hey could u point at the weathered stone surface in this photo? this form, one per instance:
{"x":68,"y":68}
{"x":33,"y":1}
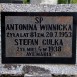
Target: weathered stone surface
{"x":54,"y":69}
{"x":35,"y":70}
{"x":43,"y":1}
{"x":49,"y":1}
{"x":35,"y":1}
{"x":39,"y":8}
{"x":62,"y":49}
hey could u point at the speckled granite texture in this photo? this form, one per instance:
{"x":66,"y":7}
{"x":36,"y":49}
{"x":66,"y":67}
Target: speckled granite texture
{"x":36,"y":69}
{"x":39,"y":8}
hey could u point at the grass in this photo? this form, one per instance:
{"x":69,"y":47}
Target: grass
{"x":67,"y":1}
{"x":59,"y":1}
{"x":74,"y":1}
{"x":26,"y":1}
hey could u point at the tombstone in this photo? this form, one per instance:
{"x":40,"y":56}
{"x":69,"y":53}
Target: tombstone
{"x":64,"y":62}
{"x":49,"y":35}
{"x":35,"y":1}
{"x":49,"y":2}
{"x":43,"y":1}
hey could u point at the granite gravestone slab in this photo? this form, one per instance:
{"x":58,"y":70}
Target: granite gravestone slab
{"x":43,"y":1}
{"x":38,"y":37}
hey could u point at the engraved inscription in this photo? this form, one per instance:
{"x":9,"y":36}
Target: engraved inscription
{"x":38,"y":36}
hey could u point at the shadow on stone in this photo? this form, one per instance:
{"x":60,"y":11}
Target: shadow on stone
{"x":12,"y":76}
{"x":35,"y":70}
{"x":62,"y":75}
{"x":8,"y":66}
